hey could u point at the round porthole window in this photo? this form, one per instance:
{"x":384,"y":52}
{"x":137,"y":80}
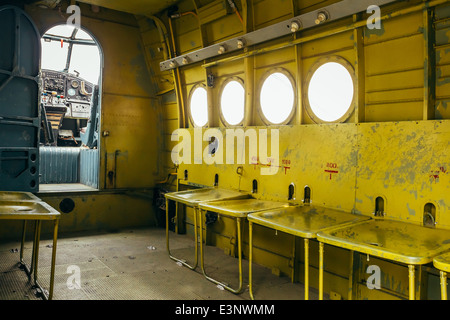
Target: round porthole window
{"x":330,"y":91}
{"x":198,"y":105}
{"x":277,"y":97}
{"x":232,"y":102}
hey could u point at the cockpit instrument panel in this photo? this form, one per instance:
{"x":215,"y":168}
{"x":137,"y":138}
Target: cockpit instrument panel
{"x":64,"y":89}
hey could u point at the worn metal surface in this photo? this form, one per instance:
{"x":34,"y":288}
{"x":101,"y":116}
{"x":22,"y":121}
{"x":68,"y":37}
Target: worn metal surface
{"x":304,"y":221}
{"x":27,"y":210}
{"x":442,"y":262}
{"x":196,"y":196}
{"x":393,"y":240}
{"x":240,"y":208}
{"x":17,"y":196}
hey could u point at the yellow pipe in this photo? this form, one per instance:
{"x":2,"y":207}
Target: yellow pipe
{"x":177,"y":78}
{"x":189,"y":12}
{"x":175,"y":72}
{"x":351,"y":276}
{"x":22,"y":244}
{"x":412,"y":287}
{"x":320,"y":270}
{"x":443,"y":285}
{"x":192,"y":267}
{"x":202,"y":259}
{"x":250,"y":259}
{"x":306,"y":269}
{"x":52,"y":272}
{"x":167,"y":179}
{"x":324,"y":34}
{"x":36,"y":257}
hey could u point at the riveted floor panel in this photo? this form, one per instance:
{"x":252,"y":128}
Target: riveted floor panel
{"x":134,"y":265}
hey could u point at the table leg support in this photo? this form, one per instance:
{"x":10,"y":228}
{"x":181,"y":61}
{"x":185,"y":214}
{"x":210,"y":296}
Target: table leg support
{"x":52,"y":272}
{"x":192,"y":267}
{"x":443,"y":285}
{"x":36,"y":258}
{"x":306,"y":269}
{"x":320,"y":270}
{"x":202,"y":260}
{"x":22,"y":244}
{"x":412,"y":287}
{"x":250,"y":259}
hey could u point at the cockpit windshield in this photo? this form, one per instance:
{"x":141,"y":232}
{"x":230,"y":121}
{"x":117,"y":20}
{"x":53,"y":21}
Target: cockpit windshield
{"x":71,"y":50}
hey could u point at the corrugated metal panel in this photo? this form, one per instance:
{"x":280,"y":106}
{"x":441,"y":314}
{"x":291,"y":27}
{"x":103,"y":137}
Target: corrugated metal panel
{"x":59,"y":165}
{"x":89,"y":167}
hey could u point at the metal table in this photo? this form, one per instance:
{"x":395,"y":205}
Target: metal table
{"x":442,"y":263}
{"x":238,"y":210}
{"x":25,"y":206}
{"x":304,"y":222}
{"x":192,"y":198}
{"x":398,"y":241}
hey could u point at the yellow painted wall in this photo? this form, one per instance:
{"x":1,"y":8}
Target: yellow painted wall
{"x":393,"y":145}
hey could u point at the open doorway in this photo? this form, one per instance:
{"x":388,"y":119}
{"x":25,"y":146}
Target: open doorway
{"x":70,"y":110}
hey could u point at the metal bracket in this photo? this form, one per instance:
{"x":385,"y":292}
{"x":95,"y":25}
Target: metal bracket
{"x":305,"y":21}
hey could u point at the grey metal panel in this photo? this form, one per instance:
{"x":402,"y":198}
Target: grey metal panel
{"x":89,"y":163}
{"x":59,"y":165}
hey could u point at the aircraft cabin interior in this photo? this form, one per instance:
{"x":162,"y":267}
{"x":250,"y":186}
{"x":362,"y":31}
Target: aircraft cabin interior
{"x":224,"y":150}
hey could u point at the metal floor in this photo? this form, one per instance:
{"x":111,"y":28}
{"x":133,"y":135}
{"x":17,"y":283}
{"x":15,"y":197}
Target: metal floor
{"x":134,"y":265}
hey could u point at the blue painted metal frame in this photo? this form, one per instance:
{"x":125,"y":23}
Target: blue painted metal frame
{"x":20,"y":59}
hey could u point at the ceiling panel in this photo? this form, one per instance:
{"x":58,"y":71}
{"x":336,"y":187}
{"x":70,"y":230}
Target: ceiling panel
{"x":138,"y":7}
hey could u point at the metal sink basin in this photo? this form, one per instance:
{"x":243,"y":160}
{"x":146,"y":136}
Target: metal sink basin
{"x":242,"y":207}
{"x":27,"y":210}
{"x":17,"y":196}
{"x":195,"y":196}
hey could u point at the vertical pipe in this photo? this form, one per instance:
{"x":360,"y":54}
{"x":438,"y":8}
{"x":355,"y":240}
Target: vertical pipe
{"x":320,"y":270}
{"x":412,"y":287}
{"x":33,"y":252}
{"x":52,"y":272}
{"x":250,"y":259}
{"x":167,"y":225}
{"x":177,"y":81}
{"x":196,"y":212}
{"x":22,"y":244}
{"x":443,"y":285}
{"x":36,"y":257}
{"x":306,"y":269}
{"x":240,"y":253}
{"x":351,"y":275}
{"x":202,"y":260}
